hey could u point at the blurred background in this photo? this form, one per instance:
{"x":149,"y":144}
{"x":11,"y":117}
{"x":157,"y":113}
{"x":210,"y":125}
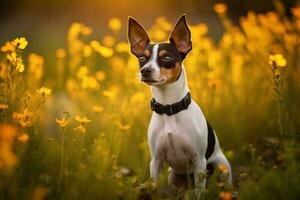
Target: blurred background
{"x":47,"y":21}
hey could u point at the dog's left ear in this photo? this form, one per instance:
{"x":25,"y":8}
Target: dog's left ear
{"x":181,"y":36}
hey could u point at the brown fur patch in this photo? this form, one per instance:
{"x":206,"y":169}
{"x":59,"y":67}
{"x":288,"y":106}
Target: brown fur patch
{"x":162,"y":52}
{"x":171,"y":74}
{"x":147,"y":53}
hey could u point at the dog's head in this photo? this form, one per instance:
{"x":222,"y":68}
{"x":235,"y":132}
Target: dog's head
{"x":160,"y":63}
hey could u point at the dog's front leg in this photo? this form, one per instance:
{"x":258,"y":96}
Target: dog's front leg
{"x":200,"y":176}
{"x":156,"y":165}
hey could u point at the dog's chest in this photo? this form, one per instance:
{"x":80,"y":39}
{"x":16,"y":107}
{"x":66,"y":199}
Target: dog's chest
{"x":175,"y":141}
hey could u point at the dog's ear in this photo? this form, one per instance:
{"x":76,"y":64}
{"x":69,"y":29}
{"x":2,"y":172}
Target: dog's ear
{"x":181,"y":36}
{"x":137,"y":37}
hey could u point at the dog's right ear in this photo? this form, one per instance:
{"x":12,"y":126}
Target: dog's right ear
{"x":137,"y":37}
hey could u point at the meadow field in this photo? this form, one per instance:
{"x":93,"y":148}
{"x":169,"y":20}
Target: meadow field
{"x":73,"y":122}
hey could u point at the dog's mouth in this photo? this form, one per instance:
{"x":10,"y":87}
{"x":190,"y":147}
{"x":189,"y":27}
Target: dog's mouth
{"x":151,"y":81}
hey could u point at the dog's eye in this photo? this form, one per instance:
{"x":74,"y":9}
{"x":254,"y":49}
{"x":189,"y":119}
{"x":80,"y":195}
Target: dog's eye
{"x":167,"y":58}
{"x":142,"y":58}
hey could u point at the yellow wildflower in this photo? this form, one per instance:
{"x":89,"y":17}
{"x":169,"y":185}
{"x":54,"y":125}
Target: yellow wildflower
{"x":44,"y":91}
{"x":85,"y":30}
{"x":220,"y":8}
{"x":12,"y":57}
{"x":102,"y":50}
{"x":8,"y":47}
{"x":278,"y":60}
{"x":62,"y":122}
{"x":3,"y":106}
{"x":82,"y":72}
{"x":223,"y":168}
{"x":89,"y":82}
{"x":82,"y":120}
{"x":100,"y":75}
{"x":80,"y":129}
{"x":24,"y":119}
{"x":108,"y":41}
{"x":20,"y":67}
{"x":114,"y":24}
{"x":20,"y":43}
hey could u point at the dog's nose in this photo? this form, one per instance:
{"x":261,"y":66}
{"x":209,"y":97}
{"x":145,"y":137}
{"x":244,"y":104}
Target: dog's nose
{"x":146,"y":72}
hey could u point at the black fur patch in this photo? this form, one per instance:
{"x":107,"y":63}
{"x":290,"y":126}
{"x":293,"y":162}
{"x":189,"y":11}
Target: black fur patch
{"x":149,"y":48}
{"x":171,"y":51}
{"x":211,"y":141}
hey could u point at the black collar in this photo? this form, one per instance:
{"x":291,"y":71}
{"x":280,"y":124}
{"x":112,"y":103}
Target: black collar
{"x":173,"y":108}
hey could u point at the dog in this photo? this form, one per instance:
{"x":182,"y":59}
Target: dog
{"x":178,"y":132}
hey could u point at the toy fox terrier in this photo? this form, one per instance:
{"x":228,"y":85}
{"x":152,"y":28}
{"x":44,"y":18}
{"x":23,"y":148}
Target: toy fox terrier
{"x":178,"y":133}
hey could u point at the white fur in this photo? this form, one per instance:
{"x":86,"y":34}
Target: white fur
{"x":181,"y":139}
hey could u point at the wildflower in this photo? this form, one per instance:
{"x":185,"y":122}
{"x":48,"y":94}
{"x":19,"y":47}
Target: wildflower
{"x":85,"y":30}
{"x":100,"y":75}
{"x":3,"y":106}
{"x":44,"y":91}
{"x":114,"y":24}
{"x":108,"y":41}
{"x":62,"y":122}
{"x":82,"y":120}
{"x":102,"y":50}
{"x":23,"y":137}
{"x":12,"y":57}
{"x":8,"y":47}
{"x":82,"y":72}
{"x":223,"y":168}
{"x":20,"y":67}
{"x":111,"y":92}
{"x":89,"y":82}
{"x":225,"y":195}
{"x":220,"y":8}
{"x":24,"y":119}
{"x":80,"y":129}
{"x":277,"y":60}
{"x":20,"y":43}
